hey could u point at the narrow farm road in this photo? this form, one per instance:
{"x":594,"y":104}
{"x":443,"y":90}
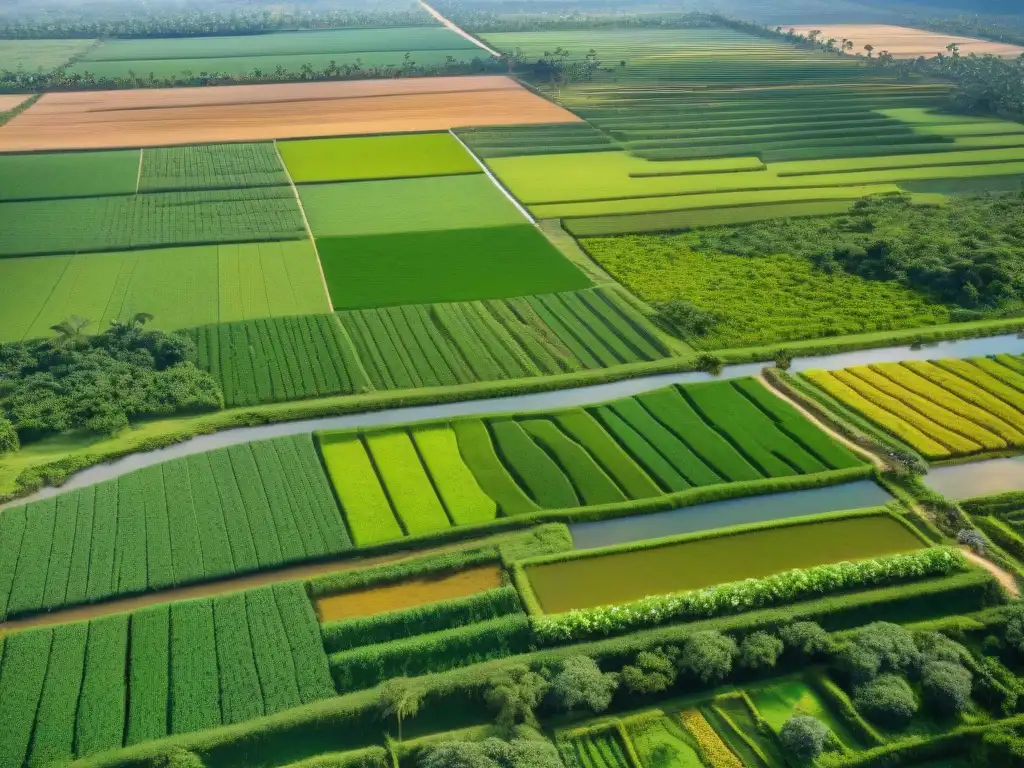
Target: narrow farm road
{"x":874,"y":459}
{"x":1009,"y":583}
{"x":457,"y":30}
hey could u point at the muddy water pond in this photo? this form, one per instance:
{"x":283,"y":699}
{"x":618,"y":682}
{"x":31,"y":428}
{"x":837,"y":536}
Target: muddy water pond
{"x":407,"y":594}
{"x":620,"y":577}
{"x":978,"y":478}
{"x":722,"y":514}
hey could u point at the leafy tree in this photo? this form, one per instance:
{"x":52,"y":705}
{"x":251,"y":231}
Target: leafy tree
{"x":806,"y":638}
{"x":685,"y":319}
{"x":515,"y":696}
{"x":804,"y":738}
{"x":527,"y":750}
{"x":1014,"y":633}
{"x":879,"y":647}
{"x":652,"y":672}
{"x":580,"y":682}
{"x":708,"y":656}
{"x":946,"y":687}
{"x":399,"y":698}
{"x":935,"y":646}
{"x":759,"y":651}
{"x":8,"y":436}
{"x":887,"y":700}
{"x":708,"y":363}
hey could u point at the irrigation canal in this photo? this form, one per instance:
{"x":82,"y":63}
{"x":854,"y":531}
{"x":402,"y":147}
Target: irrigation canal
{"x":563,"y":398}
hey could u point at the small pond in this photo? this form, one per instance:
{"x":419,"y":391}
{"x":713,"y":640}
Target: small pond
{"x":722,"y":514}
{"x":978,"y":478}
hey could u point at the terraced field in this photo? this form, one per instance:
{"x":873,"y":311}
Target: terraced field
{"x":417,"y":481}
{"x":943,"y":408}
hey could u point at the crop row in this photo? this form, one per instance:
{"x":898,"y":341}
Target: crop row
{"x":445,"y":344}
{"x":229,"y":511}
{"x":600,"y":749}
{"x":515,"y":140}
{"x":211,"y":166}
{"x":148,"y":220}
{"x":941,"y":408}
{"x":395,"y":482}
{"x":280,"y":359}
{"x":79,"y":689}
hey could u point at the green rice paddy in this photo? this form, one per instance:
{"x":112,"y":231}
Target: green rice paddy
{"x":376,"y":157}
{"x":39,"y":55}
{"x":414,"y":267}
{"x":180,"y":287}
{"x":68,"y":174}
{"x":406,"y":205}
{"x":612,"y":578}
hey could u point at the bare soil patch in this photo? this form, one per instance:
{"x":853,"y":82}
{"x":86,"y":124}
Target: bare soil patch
{"x":906,"y":42}
{"x":407,"y":594}
{"x":168,"y":116}
{"x":9,"y":102}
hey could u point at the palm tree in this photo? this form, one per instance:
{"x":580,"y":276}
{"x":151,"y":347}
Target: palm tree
{"x":71,"y":330}
{"x":136,"y":321}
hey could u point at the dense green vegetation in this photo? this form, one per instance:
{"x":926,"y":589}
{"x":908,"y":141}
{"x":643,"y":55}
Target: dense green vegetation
{"x":100,"y":383}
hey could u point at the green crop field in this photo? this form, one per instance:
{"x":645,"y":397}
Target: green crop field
{"x":70,"y":174}
{"x":376,"y":157}
{"x":39,"y":55}
{"x":277,"y":359}
{"x":620,"y":577}
{"x":445,"y":344}
{"x":943,"y":408}
{"x":180,"y":287}
{"x":149,"y":220}
{"x":444,"y":265}
{"x":210,"y":166}
{"x":158,"y":671}
{"x":406,"y":205}
{"x":642,"y":447}
{"x":760,"y":299}
{"x":211,"y":515}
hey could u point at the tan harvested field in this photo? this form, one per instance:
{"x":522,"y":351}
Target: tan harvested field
{"x":146,"y":118}
{"x":8,"y":103}
{"x":905,"y":42}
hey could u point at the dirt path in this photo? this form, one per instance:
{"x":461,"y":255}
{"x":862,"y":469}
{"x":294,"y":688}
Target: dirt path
{"x":876,"y":460}
{"x":1009,"y":583}
{"x":457,"y":30}
{"x":220,"y":586}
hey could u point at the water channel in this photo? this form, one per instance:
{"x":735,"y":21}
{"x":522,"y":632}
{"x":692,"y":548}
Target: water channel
{"x":722,"y":514}
{"x":564,"y":398}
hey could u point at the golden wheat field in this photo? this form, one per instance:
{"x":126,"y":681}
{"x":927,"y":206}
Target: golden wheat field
{"x":906,"y":42}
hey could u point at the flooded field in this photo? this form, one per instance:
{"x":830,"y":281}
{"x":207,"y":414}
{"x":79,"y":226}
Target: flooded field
{"x":622,"y":577}
{"x":723,"y":514}
{"x":978,"y":478}
{"x":407,"y":594}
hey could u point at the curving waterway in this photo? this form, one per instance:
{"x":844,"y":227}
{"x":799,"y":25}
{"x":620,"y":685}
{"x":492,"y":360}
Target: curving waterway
{"x":563,"y":398}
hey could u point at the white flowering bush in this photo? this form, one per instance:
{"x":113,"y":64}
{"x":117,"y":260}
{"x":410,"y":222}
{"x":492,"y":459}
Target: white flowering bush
{"x":751,"y":594}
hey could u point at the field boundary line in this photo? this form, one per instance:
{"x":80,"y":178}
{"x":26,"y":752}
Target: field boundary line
{"x":458,"y":30}
{"x":494,"y":179}
{"x":138,"y":177}
{"x":309,"y":231}
{"x":877,"y":461}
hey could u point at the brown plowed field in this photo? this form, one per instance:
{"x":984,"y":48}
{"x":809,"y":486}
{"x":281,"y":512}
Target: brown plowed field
{"x":155,"y":117}
{"x":905,"y":42}
{"x":8,"y":103}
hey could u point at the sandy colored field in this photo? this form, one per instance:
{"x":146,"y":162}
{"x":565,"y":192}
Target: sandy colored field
{"x":8,"y":103}
{"x":905,"y":42}
{"x":145,"y":118}
{"x":407,"y":594}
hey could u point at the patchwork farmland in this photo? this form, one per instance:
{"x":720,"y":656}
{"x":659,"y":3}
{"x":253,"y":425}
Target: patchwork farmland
{"x":460,"y":385}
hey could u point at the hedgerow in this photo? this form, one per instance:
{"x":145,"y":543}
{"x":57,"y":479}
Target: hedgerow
{"x":788,"y":587}
{"x":435,"y":652}
{"x":997,"y":504}
{"x":433,"y":617}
